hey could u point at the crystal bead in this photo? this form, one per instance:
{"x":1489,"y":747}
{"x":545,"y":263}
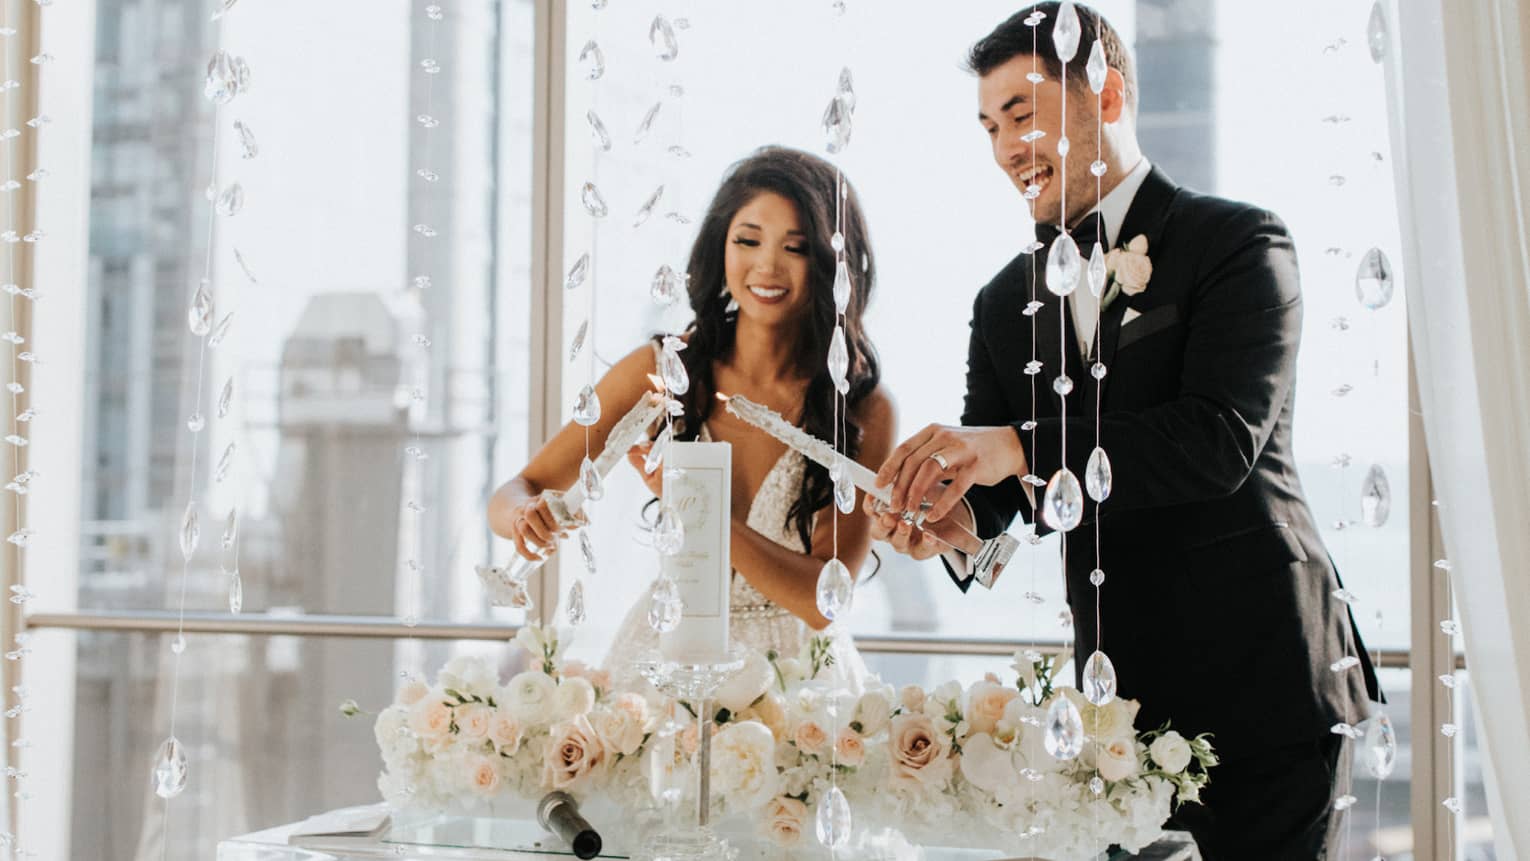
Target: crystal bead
{"x":1064,"y":265}
{"x":220,"y":331}
{"x":1344,"y":595}
{"x":1336,"y":180}
{"x":578,"y":343}
{"x":425,"y":230}
{"x":1344,"y":802}
{"x":665,"y":287}
{"x":1099,"y":679}
{"x":248,"y":146}
{"x":226,"y":398}
{"x":833,"y":818}
{"x":594,"y":204}
{"x":1032,"y":307}
{"x":1034,"y":480}
{"x":1341,"y":390}
{"x":1373,"y":279}
{"x":1096,"y":68}
{"x":1450,"y":627}
{"x":1336,"y":119}
{"x":433,"y":12}
{"x":661,"y":34}
{"x":1340,"y":461}
{"x":1098,"y":167}
{"x":1063,"y":146}
{"x":1062,"y":385}
{"x":1379,"y":745}
{"x":668,"y":532}
{"x":1033,"y":367}
{"x":1028,"y":425}
{"x":170,"y":768}
{"x":16,"y":440}
{"x":1097,"y":783}
{"x":21,"y":594}
{"x":655,"y":456}
{"x":430,"y":67}
{"x":1449,"y":730}
{"x":844,"y":493}
{"x":646,"y":125}
{"x":1097,"y":577}
{"x":835,"y":588}
{"x":676,"y":380}
{"x":592,"y":61}
{"x":231,"y":201}
{"x":1376,"y":33}
{"x":1035,"y":77}
{"x":665,"y":606}
{"x":1453,"y":804}
{"x":646,"y":210}
{"x":1098,"y":370}
{"x":1348,"y":662}
{"x":574,"y":612}
{"x":1095,"y":271}
{"x":1064,"y":733}
{"x":589,"y":481}
{"x":1448,"y":680}
{"x":244,"y":266}
{"x":1063,"y":504}
{"x":837,"y":242}
{"x":1442,"y":564}
{"x":221,"y":83}
{"x":191,"y":531}
{"x":1066,"y":32}
{"x":1035,"y":598}
{"x":178,"y":645}
{"x":839,"y":361}
{"x":427,"y":174}
{"x":587,"y":407}
{"x":587,"y":551}
{"x":231,"y":528}
{"x":598,"y":134}
{"x":225,"y":462}
{"x":195,"y":422}
{"x":845,"y":88}
{"x":578,"y":272}
{"x":841,"y":285}
{"x":836,"y":125}
{"x":1345,"y":730}
{"x":1032,"y":136}
{"x":199,"y":315}
{"x":1375,"y":497}
{"x":1097,"y":475}
{"x":1339,"y":324}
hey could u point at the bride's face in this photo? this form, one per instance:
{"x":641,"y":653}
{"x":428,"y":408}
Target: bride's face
{"x":766,"y":262}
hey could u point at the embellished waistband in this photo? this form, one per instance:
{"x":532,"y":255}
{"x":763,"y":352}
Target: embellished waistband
{"x":758,"y":611}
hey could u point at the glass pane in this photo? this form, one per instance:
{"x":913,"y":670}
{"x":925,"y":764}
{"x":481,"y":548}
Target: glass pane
{"x":321,"y":353}
{"x":259,"y":718}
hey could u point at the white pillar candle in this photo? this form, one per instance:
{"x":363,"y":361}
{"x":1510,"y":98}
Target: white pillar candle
{"x":701,"y":493}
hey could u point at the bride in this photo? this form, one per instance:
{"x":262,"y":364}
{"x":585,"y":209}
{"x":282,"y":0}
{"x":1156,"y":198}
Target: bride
{"x":761,"y":286}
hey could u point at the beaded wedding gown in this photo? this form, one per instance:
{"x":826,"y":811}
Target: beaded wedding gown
{"x":754,"y":620}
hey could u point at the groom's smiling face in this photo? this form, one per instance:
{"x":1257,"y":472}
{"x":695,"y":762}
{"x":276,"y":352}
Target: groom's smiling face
{"x":1010,"y":107}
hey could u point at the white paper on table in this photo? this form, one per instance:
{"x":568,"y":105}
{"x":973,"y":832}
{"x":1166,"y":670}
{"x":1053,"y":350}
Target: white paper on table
{"x":703,"y":497}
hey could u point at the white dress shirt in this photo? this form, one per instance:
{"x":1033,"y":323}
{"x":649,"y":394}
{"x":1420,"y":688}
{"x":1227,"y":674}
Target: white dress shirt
{"x":1112,"y":209}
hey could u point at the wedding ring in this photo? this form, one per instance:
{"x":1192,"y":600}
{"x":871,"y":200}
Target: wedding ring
{"x":941,"y":460}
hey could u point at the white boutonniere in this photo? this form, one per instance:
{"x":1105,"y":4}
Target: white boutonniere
{"x":1127,"y":270}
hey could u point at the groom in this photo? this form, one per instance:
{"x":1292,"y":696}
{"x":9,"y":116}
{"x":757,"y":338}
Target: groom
{"x":1217,"y":607}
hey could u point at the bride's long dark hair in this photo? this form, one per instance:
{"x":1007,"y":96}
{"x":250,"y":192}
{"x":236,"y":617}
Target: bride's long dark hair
{"x":809,"y":183}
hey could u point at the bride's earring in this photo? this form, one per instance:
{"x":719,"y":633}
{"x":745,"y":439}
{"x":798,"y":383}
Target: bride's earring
{"x":732,"y":306}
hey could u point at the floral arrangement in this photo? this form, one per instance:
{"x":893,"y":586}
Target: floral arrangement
{"x":971,"y":761}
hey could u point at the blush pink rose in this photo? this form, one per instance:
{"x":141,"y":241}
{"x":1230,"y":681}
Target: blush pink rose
{"x":985,"y":706}
{"x":849,"y":749}
{"x":784,"y":821}
{"x":574,"y":752}
{"x":918,"y":756}
{"x":810,"y":738}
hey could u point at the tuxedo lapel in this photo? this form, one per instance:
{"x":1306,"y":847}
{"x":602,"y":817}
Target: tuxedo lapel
{"x":1147,"y":217}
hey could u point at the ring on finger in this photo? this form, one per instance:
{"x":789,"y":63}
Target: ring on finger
{"x":940,"y":460}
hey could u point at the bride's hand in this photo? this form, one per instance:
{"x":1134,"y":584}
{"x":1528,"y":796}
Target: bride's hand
{"x":655,"y":480}
{"x":901,"y":533}
{"x":533,"y":528}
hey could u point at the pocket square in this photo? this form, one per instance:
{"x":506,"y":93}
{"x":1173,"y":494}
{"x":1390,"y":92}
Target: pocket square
{"x":1130,"y":315}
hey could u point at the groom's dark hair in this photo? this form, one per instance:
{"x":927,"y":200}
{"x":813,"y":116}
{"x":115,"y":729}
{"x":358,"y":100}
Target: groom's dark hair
{"x":1014,"y":38}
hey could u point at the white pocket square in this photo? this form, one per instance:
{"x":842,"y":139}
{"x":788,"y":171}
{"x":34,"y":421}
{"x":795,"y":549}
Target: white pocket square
{"x":1130,"y":315}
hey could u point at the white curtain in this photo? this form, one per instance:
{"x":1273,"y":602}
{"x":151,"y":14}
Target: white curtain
{"x":1457,"y":79}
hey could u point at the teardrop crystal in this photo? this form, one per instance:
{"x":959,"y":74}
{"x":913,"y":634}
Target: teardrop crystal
{"x":589,"y":481}
{"x":248,"y":146}
{"x":836,"y":125}
{"x":665,"y":287}
{"x":574,"y":612}
{"x":195,"y":422}
{"x":646,"y":125}
{"x":1064,"y":732}
{"x":1376,"y":33}
{"x":191,"y":530}
{"x":1099,"y":679}
{"x":578,"y":272}
{"x":646,"y":210}
{"x":668,"y":532}
{"x":587,"y":551}
{"x":846,"y":89}
{"x":225,"y":462}
{"x":592,"y":61}
{"x":1063,"y":505}
{"x":222,"y":82}
{"x":226,"y":398}
{"x":1096,"y":271}
{"x":672,"y":369}
{"x":1373,"y":279}
{"x":231,"y":201}
{"x":839,"y":361}
{"x":235,"y":594}
{"x":1375,"y":497}
{"x":587,"y":407}
{"x":598,"y":134}
{"x":594,"y":204}
{"x":833,"y":818}
{"x":1096,"y":68}
{"x":169,"y":776}
{"x":1379,"y":745}
{"x":1097,"y":475}
{"x":1066,"y":32}
{"x":661,"y":34}
{"x":220,"y":331}
{"x":844,"y":489}
{"x":665,"y":606}
{"x":578,"y":343}
{"x":199,"y":315}
{"x":835,"y":587}
{"x":1064,"y":265}
{"x":231,"y":528}
{"x":655,"y":456}
{"x":841,"y":286}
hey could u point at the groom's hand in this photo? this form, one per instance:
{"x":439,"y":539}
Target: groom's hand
{"x":962,"y":456}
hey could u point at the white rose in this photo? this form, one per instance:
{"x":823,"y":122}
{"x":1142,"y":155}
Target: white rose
{"x":872,"y":712}
{"x":745,"y":686}
{"x":531,"y":696}
{"x":1117,"y":759}
{"x":986,"y":765}
{"x":483,"y":777}
{"x":575,"y":697}
{"x":473,"y":721}
{"x":1171,"y":752}
{"x":784,"y":821}
{"x":911,"y":697}
{"x":744,"y":764}
{"x":986,"y":702}
{"x":468,"y":674}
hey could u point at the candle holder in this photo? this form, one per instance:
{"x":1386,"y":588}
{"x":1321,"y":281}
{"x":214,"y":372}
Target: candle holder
{"x":694,"y":680}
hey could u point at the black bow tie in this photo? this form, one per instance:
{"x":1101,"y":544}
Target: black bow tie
{"x":1087,"y":233}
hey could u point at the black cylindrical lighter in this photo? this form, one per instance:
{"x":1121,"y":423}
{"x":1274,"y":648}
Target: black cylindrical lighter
{"x":559,"y":813}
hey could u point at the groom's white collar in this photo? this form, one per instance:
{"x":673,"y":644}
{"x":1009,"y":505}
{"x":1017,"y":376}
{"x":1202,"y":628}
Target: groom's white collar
{"x":1114,"y":205}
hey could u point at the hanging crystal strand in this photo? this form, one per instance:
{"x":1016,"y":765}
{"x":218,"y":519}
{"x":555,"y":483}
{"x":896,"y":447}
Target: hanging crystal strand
{"x":16,"y":699}
{"x":415,"y":461}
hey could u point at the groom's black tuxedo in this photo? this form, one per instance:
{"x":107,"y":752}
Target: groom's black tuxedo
{"x":1217,"y":608}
